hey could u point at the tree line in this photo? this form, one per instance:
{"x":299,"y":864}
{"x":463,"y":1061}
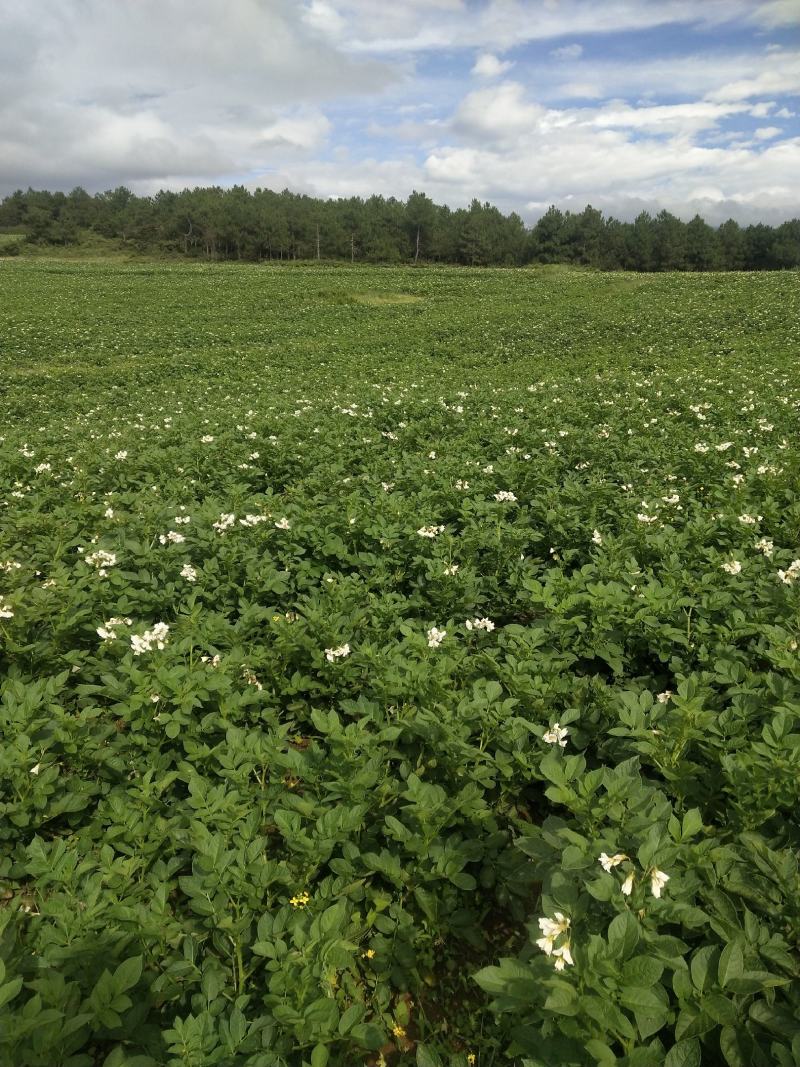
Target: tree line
{"x":235,"y":223}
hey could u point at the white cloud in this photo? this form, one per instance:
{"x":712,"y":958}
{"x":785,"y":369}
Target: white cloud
{"x":760,"y":111}
{"x":489,"y":66}
{"x":324,"y":18}
{"x":302,"y":130}
{"x":767,"y":133}
{"x":497,"y":113}
{"x":568,"y":51}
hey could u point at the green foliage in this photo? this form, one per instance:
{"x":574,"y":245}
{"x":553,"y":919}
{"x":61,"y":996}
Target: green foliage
{"x":398,"y":680}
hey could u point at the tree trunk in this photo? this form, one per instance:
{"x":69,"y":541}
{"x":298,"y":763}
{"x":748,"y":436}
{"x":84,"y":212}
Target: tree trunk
{"x":352,"y":247}
{"x":416,"y":253}
{"x":317,"y":240}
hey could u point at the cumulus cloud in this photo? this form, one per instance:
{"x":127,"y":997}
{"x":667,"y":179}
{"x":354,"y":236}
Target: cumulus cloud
{"x":489,"y":66}
{"x":352,"y":97}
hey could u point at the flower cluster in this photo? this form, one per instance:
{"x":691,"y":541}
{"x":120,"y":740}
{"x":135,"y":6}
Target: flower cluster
{"x":157,"y":637}
{"x":430,"y":531}
{"x":102,"y":560}
{"x":791,"y":574}
{"x":435,"y":637}
{"x":332,"y":654}
{"x":480,"y":624}
{"x":553,"y":930}
{"x":108,"y":631}
{"x":556,"y":735}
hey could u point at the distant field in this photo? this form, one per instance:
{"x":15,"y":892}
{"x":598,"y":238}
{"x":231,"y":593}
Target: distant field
{"x":361,"y":629}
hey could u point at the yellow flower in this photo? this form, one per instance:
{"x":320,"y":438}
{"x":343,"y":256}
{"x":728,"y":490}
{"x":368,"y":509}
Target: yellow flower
{"x":369,"y":954}
{"x":471,"y":1059}
{"x":398,"y":1031}
{"x":300,"y":900}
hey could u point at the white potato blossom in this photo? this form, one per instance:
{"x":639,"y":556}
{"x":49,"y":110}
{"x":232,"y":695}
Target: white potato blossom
{"x":766,"y":546}
{"x":556,"y":735}
{"x":6,"y":611}
{"x":224,"y":522}
{"x":750,"y":520}
{"x":435,"y":637}
{"x":430,"y":531}
{"x":597,"y":537}
{"x":188,"y":572}
{"x":732,"y":566}
{"x":283,"y":524}
{"x":332,"y":654}
{"x":627,"y":885}
{"x":608,"y":862}
{"x":657,"y":881}
{"x":182,"y":520}
{"x":102,"y":560}
{"x":552,"y":929}
{"x":505,"y":497}
{"x":253,"y":520}
{"x":108,"y":631}
{"x":791,"y":574}
{"x":206,"y":439}
{"x":108,"y":513}
{"x":480,"y":624}
{"x":663,"y":698}
{"x":121,"y":455}
{"x":145,"y":642}
{"x":451,"y":569}
{"x":172,"y":538}
{"x":646,"y":518}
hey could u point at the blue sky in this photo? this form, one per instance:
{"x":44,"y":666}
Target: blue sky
{"x":692,"y":106}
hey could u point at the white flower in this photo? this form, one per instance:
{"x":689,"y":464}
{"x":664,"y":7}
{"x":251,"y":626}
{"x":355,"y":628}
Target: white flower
{"x":121,"y":455}
{"x":181,"y":520}
{"x":662,"y":698}
{"x":607,"y":862}
{"x":6,"y":611}
{"x":145,"y":642}
{"x":225,"y":521}
{"x":766,"y":546}
{"x":430,"y":531}
{"x":480,"y":624}
{"x":646,"y":518}
{"x":253,"y":520}
{"x":387,"y":487}
{"x":206,"y":439}
{"x":35,"y":769}
{"x":102,"y":560}
{"x":504,"y":496}
{"x":108,"y":631}
{"x":750,"y":520}
{"x":551,"y":928}
{"x":283,"y":524}
{"x":562,"y":956}
{"x":788,"y":577}
{"x":40,"y":468}
{"x":597,"y":537}
{"x":732,"y":567}
{"x":657,"y":881}
{"x":108,"y":513}
{"x":556,"y":735}
{"x":671,"y":499}
{"x":173,"y":538}
{"x":332,"y":654}
{"x":451,"y":569}
{"x":700,"y":447}
{"x":627,"y":885}
{"x":435,"y":637}
{"x":461,"y":484}
{"x":188,"y":572}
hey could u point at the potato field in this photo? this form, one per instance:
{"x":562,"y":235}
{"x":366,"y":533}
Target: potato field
{"x":398,"y":667}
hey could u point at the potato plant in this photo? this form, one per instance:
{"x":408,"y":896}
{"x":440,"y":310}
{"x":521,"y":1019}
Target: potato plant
{"x":393,"y":681}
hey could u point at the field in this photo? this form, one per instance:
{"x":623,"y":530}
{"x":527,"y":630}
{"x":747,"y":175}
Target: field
{"x":398,"y":666}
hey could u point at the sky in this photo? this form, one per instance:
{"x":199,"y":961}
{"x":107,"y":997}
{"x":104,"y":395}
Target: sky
{"x":688,"y":105}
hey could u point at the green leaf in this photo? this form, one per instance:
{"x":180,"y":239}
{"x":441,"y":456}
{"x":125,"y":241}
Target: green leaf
{"x":428,"y":1057}
{"x":642,"y":971}
{"x":731,"y":963}
{"x":623,"y":935}
{"x":641,"y":999}
{"x":320,"y":1055}
{"x":684,"y":1054}
{"x":127,"y":974}
{"x":10,"y":990}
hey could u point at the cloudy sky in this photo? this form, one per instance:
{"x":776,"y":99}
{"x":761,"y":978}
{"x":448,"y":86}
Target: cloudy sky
{"x":693,"y":105}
